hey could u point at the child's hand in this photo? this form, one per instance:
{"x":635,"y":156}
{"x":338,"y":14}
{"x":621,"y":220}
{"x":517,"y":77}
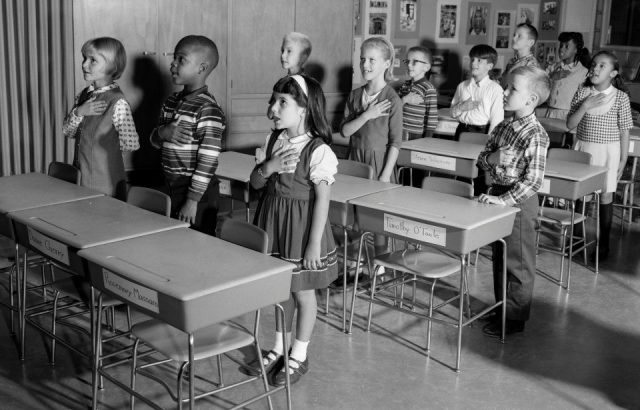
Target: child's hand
{"x":188,"y":211}
{"x":173,"y":133}
{"x":490,"y":199}
{"x":92,"y":107}
{"x":311,"y":259}
{"x":282,"y":160}
{"x":412,"y":98}
{"x":468,"y":105}
{"x":594,"y":100}
{"x":377,"y":109}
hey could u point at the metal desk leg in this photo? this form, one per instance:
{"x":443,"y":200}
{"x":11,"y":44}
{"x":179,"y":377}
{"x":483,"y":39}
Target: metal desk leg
{"x":344,"y":279}
{"x":463,"y":267}
{"x":355,"y":281}
{"x":597,"y":197}
{"x":573,"y":220}
{"x":504,"y":289}
{"x":22,"y":310}
{"x":287,"y":386}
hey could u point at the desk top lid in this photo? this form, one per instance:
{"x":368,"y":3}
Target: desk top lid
{"x":444,"y":147}
{"x":571,"y":171}
{"x":553,"y":124}
{"x":186,"y":264}
{"x":26,"y":191}
{"x":235,"y":165}
{"x":434,"y":207}
{"x":348,"y":187}
{"x":95,"y":221}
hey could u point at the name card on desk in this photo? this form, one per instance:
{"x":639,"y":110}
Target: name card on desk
{"x":415,"y":230}
{"x":130,"y":291}
{"x":545,"y":188}
{"x":632,"y":146}
{"x":50,"y":247}
{"x":435,"y":161}
{"x":225,"y":187}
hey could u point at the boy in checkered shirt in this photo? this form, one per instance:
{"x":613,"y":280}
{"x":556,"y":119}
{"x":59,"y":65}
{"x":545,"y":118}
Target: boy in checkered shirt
{"x":514,"y":157}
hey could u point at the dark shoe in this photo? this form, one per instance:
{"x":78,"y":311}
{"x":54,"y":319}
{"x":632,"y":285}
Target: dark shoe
{"x":252,"y":368}
{"x":494,"y":329}
{"x":279,"y":379}
{"x":490,"y":316}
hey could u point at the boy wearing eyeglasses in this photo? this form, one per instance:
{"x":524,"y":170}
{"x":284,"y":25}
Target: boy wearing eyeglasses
{"x":477,"y":103}
{"x":419,"y":96}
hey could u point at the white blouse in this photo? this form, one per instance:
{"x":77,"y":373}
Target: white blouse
{"x":323,"y":164}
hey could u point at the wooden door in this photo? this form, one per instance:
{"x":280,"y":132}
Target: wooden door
{"x":256,"y":32}
{"x":330,"y":29}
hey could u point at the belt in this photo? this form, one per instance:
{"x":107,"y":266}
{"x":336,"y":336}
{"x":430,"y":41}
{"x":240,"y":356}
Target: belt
{"x":497,"y":190}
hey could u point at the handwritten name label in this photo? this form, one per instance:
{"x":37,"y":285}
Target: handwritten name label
{"x":130,"y":291}
{"x":50,"y":247}
{"x":546,"y":186}
{"x":225,"y":187}
{"x":632,"y":147}
{"x":415,"y":230}
{"x":434,"y":161}
{"x":446,"y":127}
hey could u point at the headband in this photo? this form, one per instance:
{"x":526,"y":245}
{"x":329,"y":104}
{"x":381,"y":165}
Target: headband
{"x":303,"y":84}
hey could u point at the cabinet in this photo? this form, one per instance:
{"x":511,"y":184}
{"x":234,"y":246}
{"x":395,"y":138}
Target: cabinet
{"x":248,"y":34}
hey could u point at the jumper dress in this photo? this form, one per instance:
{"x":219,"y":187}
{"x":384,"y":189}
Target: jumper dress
{"x":285,"y":212}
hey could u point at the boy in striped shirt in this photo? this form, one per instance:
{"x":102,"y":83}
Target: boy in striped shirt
{"x":419,"y":96}
{"x":190,"y":135}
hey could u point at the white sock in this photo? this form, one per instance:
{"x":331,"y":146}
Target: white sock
{"x":278,"y":347}
{"x":299,"y":350}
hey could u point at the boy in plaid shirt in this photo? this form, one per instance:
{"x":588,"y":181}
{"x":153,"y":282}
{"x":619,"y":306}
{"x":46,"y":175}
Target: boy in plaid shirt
{"x":514,"y":157}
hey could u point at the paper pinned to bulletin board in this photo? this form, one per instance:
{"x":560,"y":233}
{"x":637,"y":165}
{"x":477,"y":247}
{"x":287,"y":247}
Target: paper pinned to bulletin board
{"x":447,"y":21}
{"x":407,"y":23}
{"x":377,"y":19}
{"x":503,"y":29}
{"x":478,"y":23}
{"x":549,"y":20}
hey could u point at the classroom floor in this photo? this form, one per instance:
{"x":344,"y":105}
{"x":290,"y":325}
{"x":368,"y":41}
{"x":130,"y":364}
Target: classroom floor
{"x":580,"y":350}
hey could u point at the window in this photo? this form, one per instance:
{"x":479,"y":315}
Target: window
{"x":623,"y":27}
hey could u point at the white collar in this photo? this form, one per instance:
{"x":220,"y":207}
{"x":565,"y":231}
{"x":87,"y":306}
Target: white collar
{"x":606,"y":91}
{"x":294,"y":140}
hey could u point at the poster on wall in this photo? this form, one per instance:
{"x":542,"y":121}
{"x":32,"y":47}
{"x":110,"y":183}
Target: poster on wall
{"x":377,"y":21}
{"x":503,"y":28}
{"x":546,"y":53}
{"x":527,"y":13}
{"x":399,"y":69}
{"x":478,"y":23}
{"x":549,"y":20}
{"x":407,"y":23}
{"x":447,"y":21}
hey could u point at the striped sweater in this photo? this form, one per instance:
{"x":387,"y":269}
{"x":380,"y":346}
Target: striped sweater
{"x":199,"y":112}
{"x":422,"y":117}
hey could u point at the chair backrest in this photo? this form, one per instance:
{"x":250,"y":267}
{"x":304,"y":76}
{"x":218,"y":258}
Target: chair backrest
{"x":65,"y":172}
{"x":474,"y":138}
{"x":244,"y":234}
{"x":149,"y":199}
{"x":570,"y":155}
{"x":448,"y":186}
{"x":355,"y":169}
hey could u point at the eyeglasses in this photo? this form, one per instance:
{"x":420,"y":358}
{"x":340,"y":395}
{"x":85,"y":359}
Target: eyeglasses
{"x":412,"y":62}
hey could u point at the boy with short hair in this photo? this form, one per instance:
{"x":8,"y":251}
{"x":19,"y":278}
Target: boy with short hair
{"x":190,"y":135}
{"x":477,"y":103}
{"x":524,"y":40}
{"x":419,"y":96}
{"x":515,"y":158}
{"x":295,"y":50}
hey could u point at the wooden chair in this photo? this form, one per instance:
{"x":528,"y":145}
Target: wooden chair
{"x":150,"y":199}
{"x":474,"y":138}
{"x":355,"y":169}
{"x":562,"y":217}
{"x":212,"y":341}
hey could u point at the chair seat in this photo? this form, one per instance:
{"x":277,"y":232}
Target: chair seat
{"x":559,"y":216}
{"x":428,"y":263}
{"x":208,"y":342}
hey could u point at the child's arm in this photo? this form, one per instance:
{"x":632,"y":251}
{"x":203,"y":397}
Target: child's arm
{"x":459,"y":104}
{"x":376,"y":109}
{"x":624,"y":151}
{"x":168,"y":129}
{"x":431,"y":101}
{"x":311,"y":259}
{"x":124,"y":125}
{"x":210,"y":124}
{"x":76,"y":115}
{"x":281,"y":160}
{"x":395,"y":139}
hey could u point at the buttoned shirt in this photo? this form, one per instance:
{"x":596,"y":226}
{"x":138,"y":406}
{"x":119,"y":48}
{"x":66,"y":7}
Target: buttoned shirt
{"x":524,"y":143}
{"x":487,"y":94}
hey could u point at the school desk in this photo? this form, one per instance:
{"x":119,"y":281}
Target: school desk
{"x":446,"y":123}
{"x":186,"y":279}
{"x":58,"y":231}
{"x":443,"y":221}
{"x":26,"y":191}
{"x":572,"y":181}
{"x":440,"y":155}
{"x":341,"y":214}
{"x":630,"y":184}
{"x":233,"y":173}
